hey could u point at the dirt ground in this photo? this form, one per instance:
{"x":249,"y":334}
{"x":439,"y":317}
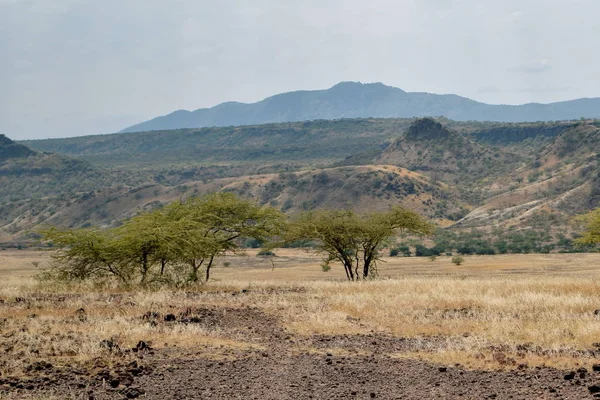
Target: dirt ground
{"x":283,"y":366}
{"x":257,"y":354}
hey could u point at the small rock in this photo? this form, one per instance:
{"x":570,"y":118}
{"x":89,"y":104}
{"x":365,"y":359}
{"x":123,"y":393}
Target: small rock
{"x":170,"y":317}
{"x":109,"y":345}
{"x":150,"y":315}
{"x":132,"y":392}
{"x":442,"y":369}
{"x":142,"y":346}
{"x":569,"y":376}
{"x":81,"y":315}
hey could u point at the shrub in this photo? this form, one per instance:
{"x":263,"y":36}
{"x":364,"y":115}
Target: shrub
{"x":458,"y":260}
{"x":265,"y":253}
{"x":325,"y":267}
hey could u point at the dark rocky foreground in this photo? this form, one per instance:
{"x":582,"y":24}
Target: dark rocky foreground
{"x":281,"y":366}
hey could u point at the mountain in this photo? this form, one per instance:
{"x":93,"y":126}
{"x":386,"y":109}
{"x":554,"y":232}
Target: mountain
{"x":357,"y":100}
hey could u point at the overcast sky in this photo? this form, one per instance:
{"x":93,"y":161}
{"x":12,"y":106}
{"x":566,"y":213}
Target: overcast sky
{"x":77,"y":67}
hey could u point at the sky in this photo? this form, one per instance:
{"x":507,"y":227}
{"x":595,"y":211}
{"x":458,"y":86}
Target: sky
{"x":80,"y":67}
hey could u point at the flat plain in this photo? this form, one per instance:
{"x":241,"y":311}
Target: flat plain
{"x":510,"y":326}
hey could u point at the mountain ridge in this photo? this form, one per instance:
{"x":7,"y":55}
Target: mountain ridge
{"x":365,"y":100}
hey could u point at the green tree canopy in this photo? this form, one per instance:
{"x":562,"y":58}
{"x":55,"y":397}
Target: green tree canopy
{"x":86,"y":254}
{"x":186,"y":235}
{"x":214,"y":224}
{"x":355,"y":240}
{"x":591,"y":223}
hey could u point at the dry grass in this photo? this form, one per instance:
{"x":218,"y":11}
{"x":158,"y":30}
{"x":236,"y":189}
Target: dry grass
{"x":491,"y":312}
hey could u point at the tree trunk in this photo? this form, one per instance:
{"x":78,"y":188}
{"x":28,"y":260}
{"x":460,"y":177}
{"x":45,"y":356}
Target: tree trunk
{"x":144,"y":268}
{"x":195,"y":266}
{"x":208,"y":267}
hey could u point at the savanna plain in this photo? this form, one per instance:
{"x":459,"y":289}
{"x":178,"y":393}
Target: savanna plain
{"x":505,"y":326}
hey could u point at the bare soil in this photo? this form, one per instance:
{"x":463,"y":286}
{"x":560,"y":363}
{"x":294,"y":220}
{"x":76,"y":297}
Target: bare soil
{"x":281,"y":365}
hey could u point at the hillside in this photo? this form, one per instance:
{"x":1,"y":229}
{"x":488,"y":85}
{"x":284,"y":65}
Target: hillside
{"x":10,"y":149}
{"x":36,"y":186}
{"x":362,"y":188}
{"x":357,"y":100}
{"x":563,"y":179}
{"x":461,"y":174}
{"x":445,"y":155}
{"x":300,"y":142}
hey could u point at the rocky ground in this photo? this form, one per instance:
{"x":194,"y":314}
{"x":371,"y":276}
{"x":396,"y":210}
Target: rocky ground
{"x":278,"y":365}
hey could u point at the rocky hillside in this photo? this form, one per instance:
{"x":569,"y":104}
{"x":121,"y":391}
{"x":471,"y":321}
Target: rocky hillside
{"x":562,"y":179}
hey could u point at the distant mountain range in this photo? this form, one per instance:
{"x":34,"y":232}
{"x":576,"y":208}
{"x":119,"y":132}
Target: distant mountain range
{"x":358,"y":100}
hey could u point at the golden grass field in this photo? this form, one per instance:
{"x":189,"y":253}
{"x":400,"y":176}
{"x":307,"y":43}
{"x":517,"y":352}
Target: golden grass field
{"x":491,"y":312}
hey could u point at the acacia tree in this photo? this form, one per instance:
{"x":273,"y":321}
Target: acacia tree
{"x":147,"y":241}
{"x":591,"y":223}
{"x":191,"y":233}
{"x":355,"y":240}
{"x":216,"y":223}
{"x":86,"y":254}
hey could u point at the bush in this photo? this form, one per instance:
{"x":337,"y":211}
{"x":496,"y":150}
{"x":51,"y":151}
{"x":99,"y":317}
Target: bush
{"x":432,"y":258}
{"x":394,"y":252}
{"x":265,"y":253}
{"x":325,"y":267}
{"x":422,"y":251}
{"x":405,"y":250}
{"x":458,"y":260}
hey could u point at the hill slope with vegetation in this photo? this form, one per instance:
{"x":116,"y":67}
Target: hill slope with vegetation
{"x":460,"y":174}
